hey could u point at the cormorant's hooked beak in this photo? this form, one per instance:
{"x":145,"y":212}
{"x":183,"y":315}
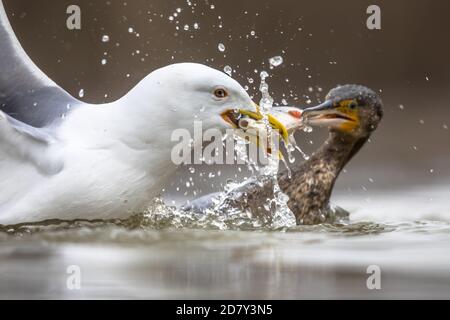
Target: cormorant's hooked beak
{"x":331,"y":114}
{"x":327,"y":105}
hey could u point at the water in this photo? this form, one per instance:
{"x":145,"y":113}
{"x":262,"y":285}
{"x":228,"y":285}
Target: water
{"x":276,"y":61}
{"x":408,"y":238}
{"x":228,"y":70}
{"x":221,"y":47}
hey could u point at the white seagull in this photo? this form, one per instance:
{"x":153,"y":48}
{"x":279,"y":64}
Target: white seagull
{"x":98,"y":161}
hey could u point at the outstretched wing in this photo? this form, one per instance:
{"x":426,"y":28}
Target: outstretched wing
{"x":26,"y":93}
{"x":27,"y":155}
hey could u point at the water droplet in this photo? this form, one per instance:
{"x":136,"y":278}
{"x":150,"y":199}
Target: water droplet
{"x":186,"y":27}
{"x":276,"y":61}
{"x":263,"y":75}
{"x":196,"y":26}
{"x":192,"y":170}
{"x":228,"y":70}
{"x":105,"y":38}
{"x":130,"y":30}
{"x":221,"y":47}
{"x":81,"y":93}
{"x":401,"y":107}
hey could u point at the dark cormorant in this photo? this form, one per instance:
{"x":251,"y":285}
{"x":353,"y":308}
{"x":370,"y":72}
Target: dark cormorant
{"x":352,"y":113}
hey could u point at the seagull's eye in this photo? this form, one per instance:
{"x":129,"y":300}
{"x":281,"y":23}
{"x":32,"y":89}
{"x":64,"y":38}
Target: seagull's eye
{"x":220,"y":93}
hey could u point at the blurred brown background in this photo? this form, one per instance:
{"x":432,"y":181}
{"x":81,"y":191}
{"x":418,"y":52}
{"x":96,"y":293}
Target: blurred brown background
{"x":323,"y":43}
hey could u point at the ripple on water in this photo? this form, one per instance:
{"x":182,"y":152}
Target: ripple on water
{"x":160,"y":222}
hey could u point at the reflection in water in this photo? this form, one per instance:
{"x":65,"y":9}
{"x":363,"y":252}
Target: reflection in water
{"x":144,"y":257}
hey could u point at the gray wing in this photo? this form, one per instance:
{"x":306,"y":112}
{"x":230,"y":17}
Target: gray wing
{"x":24,"y":144}
{"x":27,"y":157}
{"x":26,"y":93}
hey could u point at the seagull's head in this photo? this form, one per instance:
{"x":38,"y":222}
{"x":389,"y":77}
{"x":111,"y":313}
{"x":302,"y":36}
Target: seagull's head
{"x":177,"y":95}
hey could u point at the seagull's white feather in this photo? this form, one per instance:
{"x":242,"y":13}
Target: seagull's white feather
{"x":27,"y":157}
{"x":108,"y":161}
{"x":27,"y":144}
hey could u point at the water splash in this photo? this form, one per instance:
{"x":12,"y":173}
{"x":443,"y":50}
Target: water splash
{"x":161,"y":216}
{"x":276,"y":61}
{"x":282,"y":215}
{"x":228,"y":70}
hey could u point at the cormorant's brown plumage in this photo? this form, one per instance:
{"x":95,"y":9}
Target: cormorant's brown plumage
{"x":310,"y":185}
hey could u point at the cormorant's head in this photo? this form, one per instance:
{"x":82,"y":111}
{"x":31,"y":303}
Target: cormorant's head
{"x":349,"y":108}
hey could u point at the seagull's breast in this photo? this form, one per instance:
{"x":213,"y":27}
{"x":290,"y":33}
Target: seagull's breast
{"x":102,"y":178}
{"x":95,"y":184}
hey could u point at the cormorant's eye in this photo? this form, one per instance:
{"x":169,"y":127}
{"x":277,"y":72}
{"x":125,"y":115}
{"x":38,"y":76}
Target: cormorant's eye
{"x":352,"y":105}
{"x":220,"y":93}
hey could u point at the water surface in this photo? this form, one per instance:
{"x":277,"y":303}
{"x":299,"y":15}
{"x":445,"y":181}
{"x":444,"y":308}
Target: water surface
{"x":406,"y":234}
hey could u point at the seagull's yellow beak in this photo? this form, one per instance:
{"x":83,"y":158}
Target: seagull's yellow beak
{"x":281,"y":119}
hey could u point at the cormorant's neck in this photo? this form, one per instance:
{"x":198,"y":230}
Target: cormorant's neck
{"x":336,"y":151}
{"x":311,"y":183}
